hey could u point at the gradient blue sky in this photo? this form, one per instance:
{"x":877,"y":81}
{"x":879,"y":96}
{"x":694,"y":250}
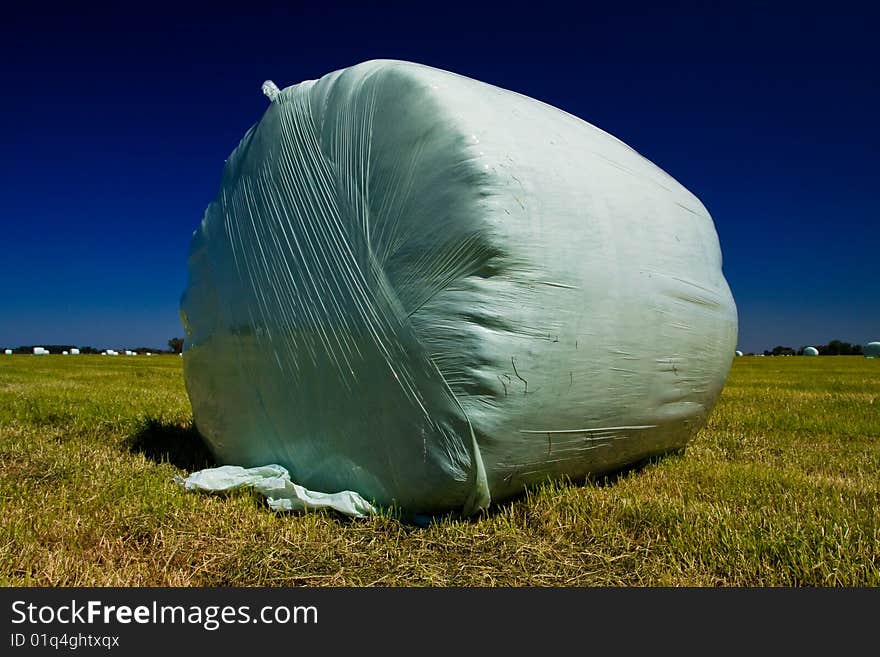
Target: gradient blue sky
{"x":116,"y":121}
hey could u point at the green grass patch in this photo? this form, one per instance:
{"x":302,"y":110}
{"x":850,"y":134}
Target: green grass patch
{"x":780,"y":488}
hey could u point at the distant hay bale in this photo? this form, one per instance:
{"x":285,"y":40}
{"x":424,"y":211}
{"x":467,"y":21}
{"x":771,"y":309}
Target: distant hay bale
{"x":40,"y":351}
{"x":811,"y":351}
{"x":74,"y":352}
{"x":738,"y":352}
{"x":8,"y":352}
{"x":64,"y":353}
{"x":872,"y":350}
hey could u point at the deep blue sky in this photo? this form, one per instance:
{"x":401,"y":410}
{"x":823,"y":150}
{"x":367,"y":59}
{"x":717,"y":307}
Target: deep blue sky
{"x":116,"y":121}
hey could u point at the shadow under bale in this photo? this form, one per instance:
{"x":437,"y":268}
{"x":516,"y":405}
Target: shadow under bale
{"x":611,"y":477}
{"x":181,"y":446}
{"x":602,"y":479}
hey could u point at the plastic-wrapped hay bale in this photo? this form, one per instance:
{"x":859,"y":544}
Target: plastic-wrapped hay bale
{"x":434,"y":292}
{"x":7,"y":352}
{"x":738,"y":353}
{"x":872,"y":350}
{"x":74,"y":351}
{"x":811,"y":351}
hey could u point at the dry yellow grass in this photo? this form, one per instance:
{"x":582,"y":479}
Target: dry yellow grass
{"x":781,"y":488}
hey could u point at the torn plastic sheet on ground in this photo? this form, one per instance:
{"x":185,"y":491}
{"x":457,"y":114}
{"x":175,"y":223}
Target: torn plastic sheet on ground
{"x":435,"y":292}
{"x":273,"y":481}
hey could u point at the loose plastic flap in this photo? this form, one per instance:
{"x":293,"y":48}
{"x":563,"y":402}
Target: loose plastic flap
{"x":273,"y":481}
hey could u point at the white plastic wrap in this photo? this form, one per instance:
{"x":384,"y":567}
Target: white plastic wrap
{"x":434,"y":292}
{"x":274,"y":483}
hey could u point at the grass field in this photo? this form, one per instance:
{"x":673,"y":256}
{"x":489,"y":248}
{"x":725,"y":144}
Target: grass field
{"x":781,"y":488}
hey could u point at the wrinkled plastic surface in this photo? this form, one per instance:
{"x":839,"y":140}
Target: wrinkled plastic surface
{"x":273,"y":481}
{"x":434,"y":292}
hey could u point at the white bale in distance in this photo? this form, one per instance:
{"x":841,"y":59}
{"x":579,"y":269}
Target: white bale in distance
{"x":811,"y":351}
{"x":74,"y":351}
{"x":40,"y":351}
{"x":738,"y":353}
{"x":8,"y":352}
{"x":872,"y":350}
{"x":434,"y":292}
{"x":64,"y":353}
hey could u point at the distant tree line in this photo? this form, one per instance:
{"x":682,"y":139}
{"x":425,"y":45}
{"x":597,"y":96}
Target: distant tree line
{"x":838,"y":348}
{"x":833,"y":348}
{"x":54,"y":348}
{"x":58,"y":348}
